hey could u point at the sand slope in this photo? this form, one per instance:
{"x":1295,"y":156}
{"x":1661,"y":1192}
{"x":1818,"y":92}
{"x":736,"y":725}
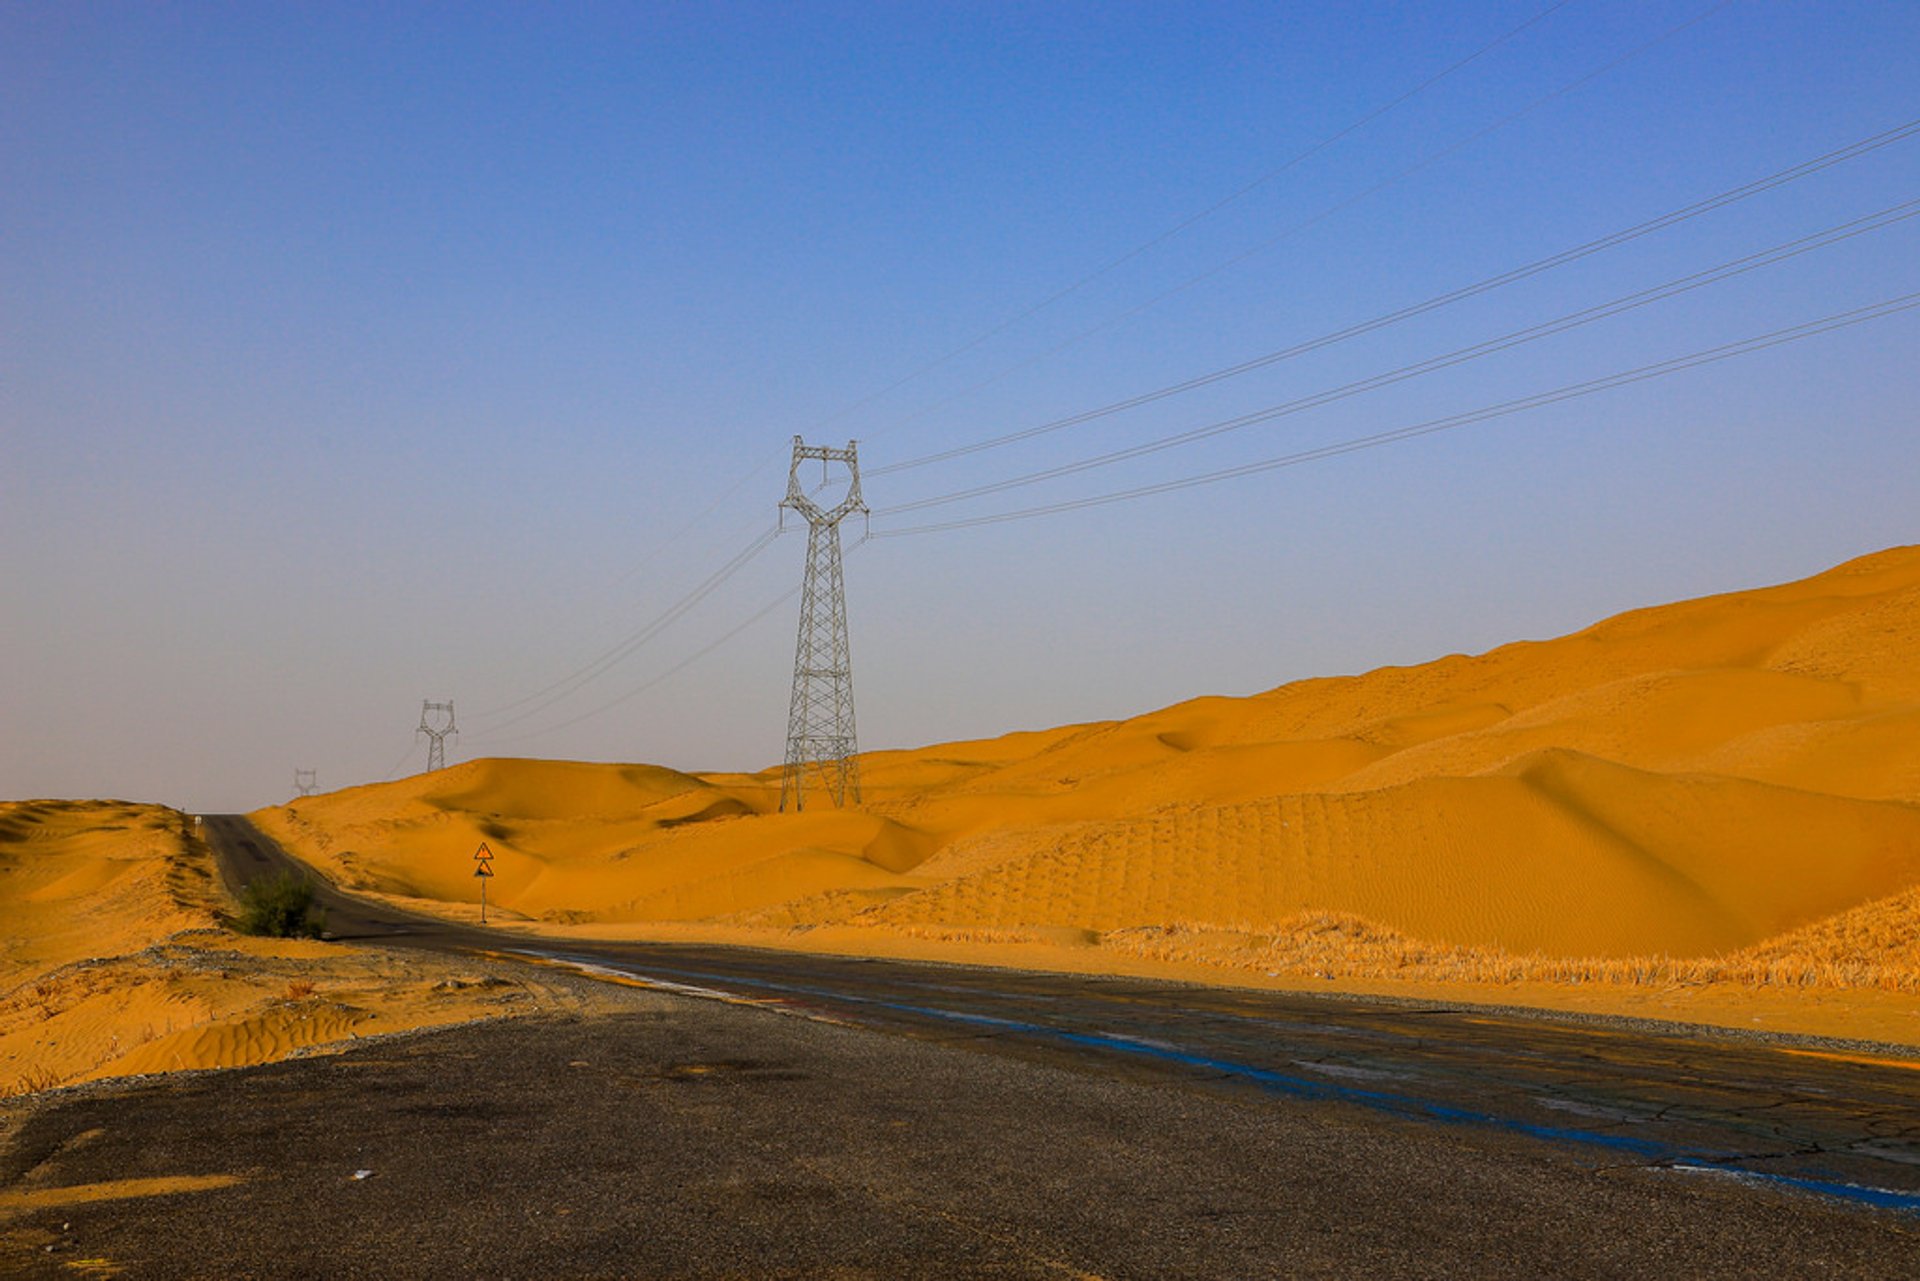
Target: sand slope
{"x":1691,"y":780}
{"x":113,"y":961}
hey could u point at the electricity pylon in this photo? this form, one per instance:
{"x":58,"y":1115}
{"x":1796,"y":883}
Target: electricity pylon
{"x":436,"y":734}
{"x":820,"y":737}
{"x":306,"y":781}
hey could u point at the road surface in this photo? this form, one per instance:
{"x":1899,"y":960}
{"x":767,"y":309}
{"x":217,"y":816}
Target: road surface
{"x":910,"y":1119}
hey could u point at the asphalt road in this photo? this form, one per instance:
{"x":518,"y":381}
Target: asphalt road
{"x":921,"y":1120}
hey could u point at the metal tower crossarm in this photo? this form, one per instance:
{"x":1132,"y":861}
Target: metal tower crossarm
{"x":797,"y":497}
{"x":821,"y":742}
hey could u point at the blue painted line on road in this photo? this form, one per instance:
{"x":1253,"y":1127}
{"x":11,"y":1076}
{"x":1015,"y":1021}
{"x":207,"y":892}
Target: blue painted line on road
{"x":1393,"y":1103}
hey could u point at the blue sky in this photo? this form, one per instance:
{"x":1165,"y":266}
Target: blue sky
{"x":357,"y":355}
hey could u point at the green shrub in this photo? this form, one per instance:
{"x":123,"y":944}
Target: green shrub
{"x":281,"y":907}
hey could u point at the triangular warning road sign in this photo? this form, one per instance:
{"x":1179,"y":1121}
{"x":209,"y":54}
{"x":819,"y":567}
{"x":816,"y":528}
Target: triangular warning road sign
{"x":483,"y":870}
{"x":483,"y":853}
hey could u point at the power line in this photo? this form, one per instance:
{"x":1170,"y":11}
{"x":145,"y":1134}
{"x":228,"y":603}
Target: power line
{"x":646,"y":633}
{"x":1191,"y":220}
{"x":580,"y":677}
{"x":1533,"y":333}
{"x":670,"y":672}
{"x":1565,"y":256}
{"x":394,"y":769}
{"x":661,"y":547}
{"x":1298,"y":227}
{"x":1760,"y":342}
{"x":567,"y":685}
{"x":698,"y":654}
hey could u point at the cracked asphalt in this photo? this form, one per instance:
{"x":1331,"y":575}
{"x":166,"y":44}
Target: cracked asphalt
{"x":768,"y":1114}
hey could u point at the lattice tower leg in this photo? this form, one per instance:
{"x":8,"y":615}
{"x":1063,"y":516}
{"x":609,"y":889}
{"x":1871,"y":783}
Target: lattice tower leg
{"x":821,"y":742}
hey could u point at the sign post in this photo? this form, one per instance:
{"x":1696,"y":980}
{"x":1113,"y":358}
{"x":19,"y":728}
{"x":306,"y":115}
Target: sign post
{"x":483,"y":868}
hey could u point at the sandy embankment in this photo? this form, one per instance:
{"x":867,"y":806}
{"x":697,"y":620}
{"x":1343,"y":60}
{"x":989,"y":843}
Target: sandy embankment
{"x":113,"y":960}
{"x":1707,"y":811}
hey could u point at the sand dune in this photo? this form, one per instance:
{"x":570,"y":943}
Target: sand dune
{"x":113,"y":960}
{"x":1698,"y":780}
{"x":1518,"y":860}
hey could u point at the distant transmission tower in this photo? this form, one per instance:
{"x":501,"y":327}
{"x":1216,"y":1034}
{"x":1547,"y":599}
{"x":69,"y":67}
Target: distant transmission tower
{"x":436,"y":733}
{"x":820,"y":738}
{"x":306,"y":781}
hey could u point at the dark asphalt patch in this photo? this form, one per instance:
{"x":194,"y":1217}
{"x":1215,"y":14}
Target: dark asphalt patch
{"x":696,"y":1139}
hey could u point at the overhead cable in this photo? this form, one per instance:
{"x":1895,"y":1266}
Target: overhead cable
{"x":567,"y":685}
{"x":669,"y":673}
{"x":654,"y":553}
{"x":393,"y":770}
{"x":1303,"y":225}
{"x":1760,"y":342}
{"x":683,"y":664}
{"x":1533,"y":333}
{"x":1731,"y":196}
{"x":1160,"y":238}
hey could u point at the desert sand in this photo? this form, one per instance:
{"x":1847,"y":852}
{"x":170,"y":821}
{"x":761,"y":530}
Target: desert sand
{"x":1702,"y":811}
{"x":113,"y":960}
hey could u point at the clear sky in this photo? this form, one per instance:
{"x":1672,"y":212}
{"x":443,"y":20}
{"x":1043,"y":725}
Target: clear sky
{"x":352,"y":355}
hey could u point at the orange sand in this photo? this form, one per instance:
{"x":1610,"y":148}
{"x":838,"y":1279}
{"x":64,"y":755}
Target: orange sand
{"x":112,"y":961}
{"x":1714,"y":800}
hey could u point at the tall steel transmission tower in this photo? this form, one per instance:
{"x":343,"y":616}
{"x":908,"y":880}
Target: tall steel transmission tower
{"x":306,"y":781}
{"x":820,"y":737}
{"x":436,"y":733}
